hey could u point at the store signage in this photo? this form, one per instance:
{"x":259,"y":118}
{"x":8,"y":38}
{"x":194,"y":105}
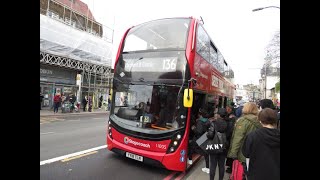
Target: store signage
{"x":45,"y":71}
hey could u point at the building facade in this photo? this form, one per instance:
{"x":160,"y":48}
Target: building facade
{"x":75,"y":55}
{"x":269,"y":77}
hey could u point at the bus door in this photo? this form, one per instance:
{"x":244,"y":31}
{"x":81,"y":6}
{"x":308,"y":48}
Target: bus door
{"x":198,"y":102}
{"x":220,"y":102}
{"x":225,"y":102}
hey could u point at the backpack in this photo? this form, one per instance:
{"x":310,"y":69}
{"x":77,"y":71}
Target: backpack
{"x":237,"y":170}
{"x":217,"y":141}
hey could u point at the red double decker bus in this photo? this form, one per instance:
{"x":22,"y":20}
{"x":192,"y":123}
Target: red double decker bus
{"x":165,"y":70}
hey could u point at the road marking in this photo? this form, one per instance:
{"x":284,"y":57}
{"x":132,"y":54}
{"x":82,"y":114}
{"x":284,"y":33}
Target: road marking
{"x":170,"y":176}
{"x":71,"y":155}
{"x":46,"y":133}
{"x":180,"y":176}
{"x":79,"y":156}
{"x":74,"y":120}
{"x":49,"y":120}
{"x":59,"y":119}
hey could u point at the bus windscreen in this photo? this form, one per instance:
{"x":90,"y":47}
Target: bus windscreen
{"x":158,"y":34}
{"x":152,"y":107}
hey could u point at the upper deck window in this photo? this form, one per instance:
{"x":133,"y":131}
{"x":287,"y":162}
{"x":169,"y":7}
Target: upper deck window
{"x":158,"y":34}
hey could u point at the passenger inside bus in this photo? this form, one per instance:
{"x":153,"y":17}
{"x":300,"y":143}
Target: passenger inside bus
{"x":141,"y":107}
{"x":166,"y":114}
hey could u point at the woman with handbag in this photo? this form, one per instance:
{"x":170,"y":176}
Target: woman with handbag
{"x":218,"y":156}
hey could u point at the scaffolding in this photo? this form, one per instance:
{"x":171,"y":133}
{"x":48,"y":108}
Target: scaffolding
{"x":96,"y":79}
{"x":78,"y":16}
{"x":71,"y":38}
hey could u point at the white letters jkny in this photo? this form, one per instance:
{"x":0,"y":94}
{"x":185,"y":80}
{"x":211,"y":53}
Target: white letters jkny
{"x":214,"y":146}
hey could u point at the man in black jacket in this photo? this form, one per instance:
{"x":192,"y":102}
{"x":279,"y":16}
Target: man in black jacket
{"x":262,"y":147}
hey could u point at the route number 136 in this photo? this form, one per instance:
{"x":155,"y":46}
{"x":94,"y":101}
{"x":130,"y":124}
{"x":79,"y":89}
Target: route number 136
{"x":169,"y":64}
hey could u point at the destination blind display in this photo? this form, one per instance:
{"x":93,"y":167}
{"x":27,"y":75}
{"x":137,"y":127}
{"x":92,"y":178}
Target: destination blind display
{"x":163,"y":64}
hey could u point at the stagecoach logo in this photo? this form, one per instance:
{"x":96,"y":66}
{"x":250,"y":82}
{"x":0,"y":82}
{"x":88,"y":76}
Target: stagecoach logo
{"x":128,"y":140}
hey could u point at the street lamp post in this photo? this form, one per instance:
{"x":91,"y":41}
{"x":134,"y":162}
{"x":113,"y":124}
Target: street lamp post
{"x":258,"y":9}
{"x":265,"y":67}
{"x":265,"y":81}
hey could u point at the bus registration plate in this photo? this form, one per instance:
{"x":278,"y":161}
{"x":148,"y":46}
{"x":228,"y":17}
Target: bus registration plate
{"x":133,"y":156}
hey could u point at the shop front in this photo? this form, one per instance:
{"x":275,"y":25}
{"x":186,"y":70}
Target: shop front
{"x":56,"y":80}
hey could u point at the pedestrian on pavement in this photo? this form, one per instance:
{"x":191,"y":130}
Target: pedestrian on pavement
{"x":238,"y":111}
{"x":220,"y":125}
{"x":41,"y":100}
{"x":63,"y":98}
{"x":244,"y":125}
{"x":262,"y":143}
{"x":56,"y":103}
{"x":100,"y":101}
{"x":90,"y":104}
{"x":267,"y":103}
{"x":233,"y":108}
{"x":84,"y":103}
{"x":73,"y":99}
{"x":201,"y":127}
{"x":231,"y":120}
{"x":109,"y":103}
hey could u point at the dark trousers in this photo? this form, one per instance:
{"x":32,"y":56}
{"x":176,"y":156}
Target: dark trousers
{"x":214,"y":160}
{"x":229,"y":162}
{"x":72,"y":107}
{"x":55,"y":107}
{"x":84,"y":107}
{"x":204,"y":154}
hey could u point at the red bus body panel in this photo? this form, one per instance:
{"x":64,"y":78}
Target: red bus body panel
{"x":120,"y":47}
{"x":153,"y":152}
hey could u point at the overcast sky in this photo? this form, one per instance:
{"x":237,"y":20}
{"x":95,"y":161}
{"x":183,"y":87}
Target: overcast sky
{"x":240,"y":34}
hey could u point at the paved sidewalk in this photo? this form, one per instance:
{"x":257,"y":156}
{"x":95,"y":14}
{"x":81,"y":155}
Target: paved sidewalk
{"x":197,"y":174}
{"x":49,"y":112}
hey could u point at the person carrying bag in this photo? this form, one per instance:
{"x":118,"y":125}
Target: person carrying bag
{"x":215,"y":143}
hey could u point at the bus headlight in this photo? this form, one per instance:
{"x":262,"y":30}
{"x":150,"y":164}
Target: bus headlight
{"x":175,"y":143}
{"x":178,"y":136}
{"x":110,"y":133}
{"x":109,"y":129}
